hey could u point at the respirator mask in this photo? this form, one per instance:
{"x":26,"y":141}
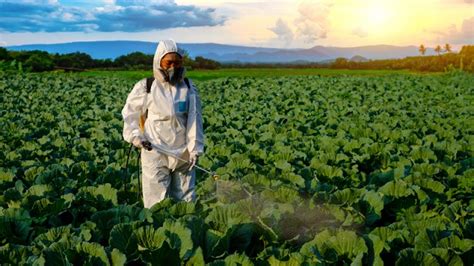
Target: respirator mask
{"x":173,"y":74}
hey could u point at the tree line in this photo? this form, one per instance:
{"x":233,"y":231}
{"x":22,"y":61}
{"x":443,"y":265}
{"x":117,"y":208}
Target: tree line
{"x":438,"y":49}
{"x":39,"y":61}
{"x":445,"y":60}
{"x":463,"y":60}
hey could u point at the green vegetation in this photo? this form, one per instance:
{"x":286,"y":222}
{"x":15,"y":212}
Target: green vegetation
{"x":41,"y":61}
{"x":38,"y":61}
{"x":315,"y":170}
{"x":464,"y":60}
{"x":203,"y":75}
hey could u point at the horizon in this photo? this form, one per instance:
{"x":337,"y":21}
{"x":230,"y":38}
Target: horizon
{"x":215,"y":43}
{"x":282,"y":24}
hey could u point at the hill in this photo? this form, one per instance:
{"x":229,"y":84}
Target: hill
{"x":229,"y":53}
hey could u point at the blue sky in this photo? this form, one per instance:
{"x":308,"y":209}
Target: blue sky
{"x":82,"y":16}
{"x":278,"y":23}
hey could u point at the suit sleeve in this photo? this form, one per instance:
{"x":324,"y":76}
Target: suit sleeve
{"x":194,"y":128}
{"x":132,"y":110}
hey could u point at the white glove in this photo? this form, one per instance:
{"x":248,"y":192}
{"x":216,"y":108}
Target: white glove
{"x":192,"y":161}
{"x":141,"y":142}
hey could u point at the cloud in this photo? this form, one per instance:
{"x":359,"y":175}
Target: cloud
{"x":119,"y":15}
{"x":359,"y":31}
{"x":24,"y":16}
{"x":454,"y":36}
{"x":283,"y":31}
{"x":313,"y":23}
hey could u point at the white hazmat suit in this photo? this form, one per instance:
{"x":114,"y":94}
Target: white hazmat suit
{"x":174,"y":124}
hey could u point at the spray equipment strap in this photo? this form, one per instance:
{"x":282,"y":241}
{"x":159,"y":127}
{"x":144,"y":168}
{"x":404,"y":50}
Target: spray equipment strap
{"x":149,"y":83}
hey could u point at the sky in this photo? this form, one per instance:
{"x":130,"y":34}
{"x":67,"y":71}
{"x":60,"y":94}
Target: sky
{"x":277,"y":23}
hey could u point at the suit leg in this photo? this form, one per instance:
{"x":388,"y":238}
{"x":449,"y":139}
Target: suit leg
{"x":156,"y":178}
{"x":183,"y":184}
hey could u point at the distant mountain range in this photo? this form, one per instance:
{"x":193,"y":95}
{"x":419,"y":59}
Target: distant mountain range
{"x":231,"y":53}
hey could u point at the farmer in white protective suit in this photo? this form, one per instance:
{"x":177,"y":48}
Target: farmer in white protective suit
{"x":173,"y":123}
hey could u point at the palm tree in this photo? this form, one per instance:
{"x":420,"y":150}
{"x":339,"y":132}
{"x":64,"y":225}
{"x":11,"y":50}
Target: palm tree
{"x":422,"y":49}
{"x":438,"y":49}
{"x":447,"y":48}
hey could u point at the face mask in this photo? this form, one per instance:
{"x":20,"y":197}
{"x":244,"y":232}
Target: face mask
{"x":173,"y":75}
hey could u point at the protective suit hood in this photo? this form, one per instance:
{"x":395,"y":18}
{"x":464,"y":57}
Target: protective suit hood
{"x":164,"y":47}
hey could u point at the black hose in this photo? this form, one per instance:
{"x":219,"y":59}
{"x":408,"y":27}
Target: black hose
{"x":139,"y":181}
{"x":126,"y":167}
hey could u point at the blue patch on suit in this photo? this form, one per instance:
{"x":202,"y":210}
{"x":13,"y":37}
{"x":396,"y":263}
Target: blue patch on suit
{"x":182,"y":106}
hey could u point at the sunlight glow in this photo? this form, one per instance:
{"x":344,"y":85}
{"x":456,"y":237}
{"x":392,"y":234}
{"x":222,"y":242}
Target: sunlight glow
{"x":378,"y":18}
{"x":378,"y":15}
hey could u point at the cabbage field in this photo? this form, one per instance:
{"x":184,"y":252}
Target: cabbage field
{"x":336,"y":170}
